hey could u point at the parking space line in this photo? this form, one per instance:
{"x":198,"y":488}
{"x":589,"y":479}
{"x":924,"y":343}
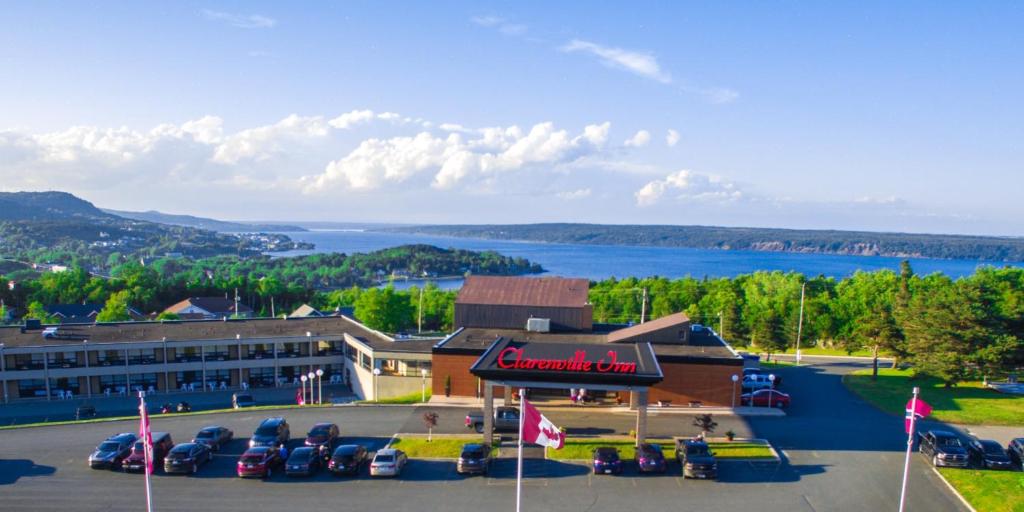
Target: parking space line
{"x":679,"y":481}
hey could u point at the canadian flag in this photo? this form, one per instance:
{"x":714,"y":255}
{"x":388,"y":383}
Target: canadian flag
{"x":918,"y":408}
{"x":539,"y":430}
{"x":145,"y":434}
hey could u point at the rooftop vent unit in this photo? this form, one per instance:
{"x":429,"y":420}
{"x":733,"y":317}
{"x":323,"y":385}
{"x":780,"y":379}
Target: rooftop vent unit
{"x":538,"y":325}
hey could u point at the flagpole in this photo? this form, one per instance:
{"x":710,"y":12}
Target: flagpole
{"x":910,"y":444}
{"x":146,"y":449}
{"x":519,"y":463}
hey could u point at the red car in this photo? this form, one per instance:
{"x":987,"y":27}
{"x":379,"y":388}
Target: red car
{"x":765,"y":398}
{"x":259,"y":462}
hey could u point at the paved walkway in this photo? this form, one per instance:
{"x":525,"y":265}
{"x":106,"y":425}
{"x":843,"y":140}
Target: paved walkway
{"x":57,"y":410}
{"x":564,"y":405}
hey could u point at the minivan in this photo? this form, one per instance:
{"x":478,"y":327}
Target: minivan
{"x":136,"y":461}
{"x":271,"y":432}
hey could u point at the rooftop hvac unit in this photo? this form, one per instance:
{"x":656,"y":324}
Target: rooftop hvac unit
{"x":538,"y":325}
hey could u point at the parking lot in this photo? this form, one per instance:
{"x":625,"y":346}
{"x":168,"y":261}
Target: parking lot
{"x":838,"y":454}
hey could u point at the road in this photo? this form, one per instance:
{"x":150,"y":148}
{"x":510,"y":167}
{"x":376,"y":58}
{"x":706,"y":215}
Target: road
{"x":839,"y":454}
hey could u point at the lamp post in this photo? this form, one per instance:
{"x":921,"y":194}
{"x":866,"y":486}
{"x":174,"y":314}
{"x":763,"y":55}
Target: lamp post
{"x":771,"y":390}
{"x":721,"y":319}
{"x":735,"y":379}
{"x":376,"y":373}
{"x":423,"y":393}
{"x":319,"y":386}
{"x":311,"y":376}
{"x":303,"y":379}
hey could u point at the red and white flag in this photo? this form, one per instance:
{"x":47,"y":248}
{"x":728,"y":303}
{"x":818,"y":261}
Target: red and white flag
{"x":918,"y":408}
{"x":145,"y":435}
{"x":539,"y":430}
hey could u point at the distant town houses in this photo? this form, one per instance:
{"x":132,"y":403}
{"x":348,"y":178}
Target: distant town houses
{"x":307,"y":311}
{"x":82,"y":313}
{"x":208,"y":308}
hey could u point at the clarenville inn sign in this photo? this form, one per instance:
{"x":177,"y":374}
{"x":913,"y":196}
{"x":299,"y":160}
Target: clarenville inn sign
{"x":539,"y":334}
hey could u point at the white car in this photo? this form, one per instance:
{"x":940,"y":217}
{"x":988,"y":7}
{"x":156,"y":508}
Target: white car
{"x":388,"y":462}
{"x":754,"y":382}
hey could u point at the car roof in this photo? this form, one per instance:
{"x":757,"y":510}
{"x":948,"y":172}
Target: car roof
{"x":272,"y":421}
{"x":989,"y":442}
{"x":183,"y":446}
{"x":257,"y":450}
{"x":302,"y":449}
{"x":386,"y":451}
{"x":346,"y":449}
{"x":318,"y":425}
{"x":694,"y":443}
{"x":943,"y":433}
{"x":472,"y":446}
{"x":121,"y":437}
{"x":606,"y":449}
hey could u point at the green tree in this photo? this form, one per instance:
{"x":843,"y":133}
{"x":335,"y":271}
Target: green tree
{"x":384,"y":309}
{"x":116,"y":308}
{"x":36,"y":311}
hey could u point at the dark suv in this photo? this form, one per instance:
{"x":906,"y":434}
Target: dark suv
{"x":110,"y":453}
{"x":323,"y":437}
{"x":944,"y":448}
{"x":475,"y":458}
{"x":186,"y":458}
{"x":696,"y":459}
{"x":271,"y":432}
{"x":649,"y":458}
{"x":347,"y":459}
{"x":136,"y":461}
{"x":988,"y":454}
{"x":1016,"y":450}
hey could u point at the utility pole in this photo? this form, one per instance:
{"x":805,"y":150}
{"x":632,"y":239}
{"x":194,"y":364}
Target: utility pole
{"x":419,"y":321}
{"x":643,"y":307}
{"x":800,"y":323}
{"x":272,"y":313}
{"x":236,"y":302}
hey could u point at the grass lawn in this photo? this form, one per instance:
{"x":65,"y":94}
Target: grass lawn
{"x":155,"y":416}
{"x":446,"y":447}
{"x":990,"y":491}
{"x":967,"y":403}
{"x":411,"y":398}
{"x":583,"y":449}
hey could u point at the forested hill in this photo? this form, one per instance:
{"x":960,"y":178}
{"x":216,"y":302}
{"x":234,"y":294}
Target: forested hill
{"x":864,"y":243}
{"x":192,"y":221}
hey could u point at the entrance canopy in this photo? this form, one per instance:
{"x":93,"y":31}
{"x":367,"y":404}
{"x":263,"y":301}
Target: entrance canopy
{"x":576,"y":364}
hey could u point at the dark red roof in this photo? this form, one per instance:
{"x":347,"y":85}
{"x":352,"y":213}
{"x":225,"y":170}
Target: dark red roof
{"x":524,"y":291}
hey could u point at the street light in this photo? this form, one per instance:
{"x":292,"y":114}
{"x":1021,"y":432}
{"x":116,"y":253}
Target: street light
{"x":376,"y":373}
{"x":423,"y":372}
{"x":320,"y":386}
{"x":311,"y":376}
{"x":771,"y":390}
{"x":735,"y":379}
{"x":303,"y":379}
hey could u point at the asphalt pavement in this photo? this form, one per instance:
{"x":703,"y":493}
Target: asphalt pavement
{"x":838,"y":454}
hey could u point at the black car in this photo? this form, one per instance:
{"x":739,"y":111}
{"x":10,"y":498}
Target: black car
{"x":606,"y":460}
{"x":214,"y":437}
{"x":186,"y":458}
{"x":240,"y":400}
{"x":347,"y":459}
{"x":987,"y":454}
{"x":110,"y":453}
{"x":650,"y":459}
{"x":304,"y":461}
{"x":697,"y":460}
{"x":271,"y":432}
{"x":323,"y":437}
{"x":1016,"y":450}
{"x":475,"y":458}
{"x":944,"y":448}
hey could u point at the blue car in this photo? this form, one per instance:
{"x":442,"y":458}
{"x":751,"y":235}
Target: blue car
{"x":607,"y":461}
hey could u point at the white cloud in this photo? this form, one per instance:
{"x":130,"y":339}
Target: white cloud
{"x":643,"y":64}
{"x":638,"y":140}
{"x":513,"y":29}
{"x":501,"y":24}
{"x":263,"y":142}
{"x":672,"y":138}
{"x":457,"y":158}
{"x":487,"y":21}
{"x":689,"y":185}
{"x":716,"y":95}
{"x":351,"y":119}
{"x":570,"y":195}
{"x":240,"y":20}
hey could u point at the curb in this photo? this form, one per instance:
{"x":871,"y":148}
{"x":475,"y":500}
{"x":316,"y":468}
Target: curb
{"x":953,"y":490}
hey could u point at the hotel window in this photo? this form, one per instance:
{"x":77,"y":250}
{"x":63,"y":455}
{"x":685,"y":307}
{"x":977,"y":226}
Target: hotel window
{"x":65,"y":384}
{"x":142,"y":356}
{"x":190,"y":380}
{"x":114,"y":384}
{"x":289,"y":350}
{"x":189,"y":354}
{"x":144,"y":381}
{"x":261,"y":351}
{"x":218,"y":377}
{"x":216,"y":353}
{"x":28,"y":361}
{"x":110,"y":357}
{"x":31,"y":388}
{"x":364,"y":360}
{"x":261,"y":377}
{"x":62,"y":360}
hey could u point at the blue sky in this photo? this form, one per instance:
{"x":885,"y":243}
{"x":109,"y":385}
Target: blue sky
{"x":880,"y":116}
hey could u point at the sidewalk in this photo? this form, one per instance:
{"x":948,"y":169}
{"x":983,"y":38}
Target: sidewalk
{"x":59,"y":410}
{"x":564,"y":406}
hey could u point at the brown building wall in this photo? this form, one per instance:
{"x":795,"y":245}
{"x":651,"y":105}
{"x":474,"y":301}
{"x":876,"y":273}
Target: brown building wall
{"x":515,"y":317}
{"x":463,"y":382}
{"x":711,"y":384}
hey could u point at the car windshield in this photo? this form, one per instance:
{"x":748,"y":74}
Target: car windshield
{"x":320,"y":431}
{"x":139,"y":446}
{"x":948,"y":441}
{"x":385,"y":458}
{"x":472,"y":454}
{"x":300,"y":456}
{"x":651,"y":450}
{"x":606,"y":455}
{"x":992,"y":448}
{"x":697,"y":450}
{"x":108,"y":446}
{"x":266,"y":431}
{"x":203,"y":434}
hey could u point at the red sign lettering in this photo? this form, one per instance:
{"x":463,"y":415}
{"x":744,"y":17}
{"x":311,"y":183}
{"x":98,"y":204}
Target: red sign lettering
{"x":512,"y":358}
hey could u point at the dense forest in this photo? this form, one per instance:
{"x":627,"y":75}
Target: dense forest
{"x":903,"y":245}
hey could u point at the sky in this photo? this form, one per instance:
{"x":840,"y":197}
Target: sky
{"x":878,"y":116}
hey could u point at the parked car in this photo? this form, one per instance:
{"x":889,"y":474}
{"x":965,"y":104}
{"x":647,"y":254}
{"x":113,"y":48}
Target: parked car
{"x":1016,"y":450}
{"x":607,"y":461}
{"x":304,"y":461}
{"x":184,"y":407}
{"x":271,"y":432}
{"x":186,"y":458}
{"x":388,"y":462}
{"x":85,"y":411}
{"x":323,"y":437}
{"x":474,"y":458}
{"x":259,"y":462}
{"x":761,"y":371}
{"x":239,"y":400}
{"x":766,"y":398}
{"x":110,"y":453}
{"x":347,"y":459}
{"x":696,"y":459}
{"x":650,"y":459}
{"x":757,"y":381}
{"x":944,"y":448}
{"x":136,"y":460}
{"x":988,"y":454}
{"x":214,"y":437}
{"x":505,"y":419}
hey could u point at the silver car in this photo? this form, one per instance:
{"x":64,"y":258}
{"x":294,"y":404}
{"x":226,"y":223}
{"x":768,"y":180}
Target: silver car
{"x":388,"y":462}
